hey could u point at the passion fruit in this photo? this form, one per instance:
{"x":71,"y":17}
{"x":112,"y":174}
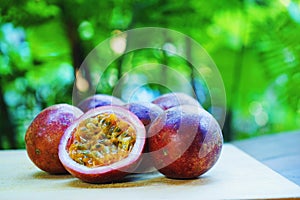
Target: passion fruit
{"x":170,"y":100}
{"x":147,"y":112}
{"x":99,"y":100}
{"x":186,"y":142}
{"x":44,"y":133}
{"x":103,"y":145}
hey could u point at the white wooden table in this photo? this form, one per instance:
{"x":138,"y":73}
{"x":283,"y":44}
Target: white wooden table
{"x":235,"y":176}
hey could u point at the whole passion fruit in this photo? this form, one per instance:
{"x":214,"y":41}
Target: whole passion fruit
{"x":186,"y":142}
{"x":103,"y":145}
{"x":147,"y":112}
{"x":44,"y":133}
{"x":99,"y":100}
{"x":170,"y":100}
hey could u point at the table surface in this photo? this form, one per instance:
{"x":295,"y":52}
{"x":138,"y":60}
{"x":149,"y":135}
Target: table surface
{"x":280,"y":152}
{"x":272,"y":172}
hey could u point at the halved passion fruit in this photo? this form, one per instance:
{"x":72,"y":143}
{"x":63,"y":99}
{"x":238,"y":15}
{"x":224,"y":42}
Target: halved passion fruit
{"x":103,"y":145}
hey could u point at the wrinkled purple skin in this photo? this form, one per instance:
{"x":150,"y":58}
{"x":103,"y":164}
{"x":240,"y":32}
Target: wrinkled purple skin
{"x":171,"y":100}
{"x":98,"y":100}
{"x":147,"y":112}
{"x":186,"y":142}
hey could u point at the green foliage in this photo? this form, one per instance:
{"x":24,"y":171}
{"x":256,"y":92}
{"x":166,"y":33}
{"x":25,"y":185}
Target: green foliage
{"x":254,"y":43}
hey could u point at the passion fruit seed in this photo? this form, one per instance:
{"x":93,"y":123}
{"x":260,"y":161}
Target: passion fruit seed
{"x":102,"y":140}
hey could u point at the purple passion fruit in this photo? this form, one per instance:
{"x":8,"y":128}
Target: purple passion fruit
{"x":147,"y":112}
{"x":186,"y":142}
{"x":99,"y":100}
{"x":44,"y":133}
{"x":170,"y":100}
{"x":103,"y":145}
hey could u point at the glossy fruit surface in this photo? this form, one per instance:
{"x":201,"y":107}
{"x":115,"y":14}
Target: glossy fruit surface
{"x":170,"y":100}
{"x":186,"y":142}
{"x":44,"y":133}
{"x":147,"y":112}
{"x":103,"y":145}
{"x":99,"y":100}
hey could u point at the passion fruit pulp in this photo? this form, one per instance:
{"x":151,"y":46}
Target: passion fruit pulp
{"x":174,"y":99}
{"x":44,"y":133}
{"x":99,"y":100}
{"x":186,"y":142}
{"x":103,"y":145}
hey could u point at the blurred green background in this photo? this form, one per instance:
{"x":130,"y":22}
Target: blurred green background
{"x":254,"y":43}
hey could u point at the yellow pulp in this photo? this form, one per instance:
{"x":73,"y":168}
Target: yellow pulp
{"x":102,"y":140}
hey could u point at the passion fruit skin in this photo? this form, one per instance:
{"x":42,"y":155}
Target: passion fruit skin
{"x":147,"y":112}
{"x":109,"y":173}
{"x":44,"y":133}
{"x":174,"y":99}
{"x":186,"y":142}
{"x":99,"y":100}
